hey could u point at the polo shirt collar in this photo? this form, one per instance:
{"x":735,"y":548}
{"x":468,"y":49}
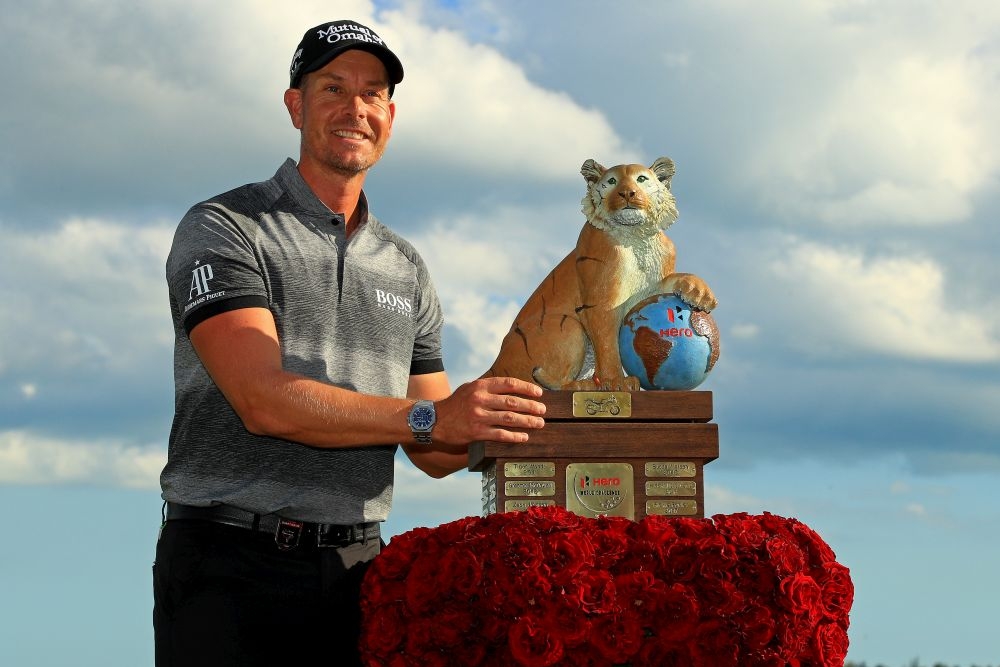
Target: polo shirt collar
{"x":292,"y":183}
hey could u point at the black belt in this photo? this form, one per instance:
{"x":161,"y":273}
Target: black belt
{"x":288,"y":533}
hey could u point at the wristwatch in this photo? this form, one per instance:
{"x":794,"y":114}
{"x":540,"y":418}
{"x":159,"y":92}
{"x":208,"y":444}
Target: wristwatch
{"x":421,"y":419}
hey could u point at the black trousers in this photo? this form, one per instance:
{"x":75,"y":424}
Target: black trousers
{"x":226,"y":596}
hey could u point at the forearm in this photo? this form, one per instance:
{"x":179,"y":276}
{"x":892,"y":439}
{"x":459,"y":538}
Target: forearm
{"x":295,"y":408}
{"x":438,"y":460}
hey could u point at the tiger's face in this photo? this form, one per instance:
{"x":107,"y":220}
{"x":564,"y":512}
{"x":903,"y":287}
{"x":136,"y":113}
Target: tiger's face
{"x":629,"y":196}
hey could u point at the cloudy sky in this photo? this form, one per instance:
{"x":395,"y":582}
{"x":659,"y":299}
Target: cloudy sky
{"x":837,"y":177}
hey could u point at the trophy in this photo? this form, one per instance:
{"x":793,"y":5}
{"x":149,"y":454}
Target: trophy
{"x":618,"y":340}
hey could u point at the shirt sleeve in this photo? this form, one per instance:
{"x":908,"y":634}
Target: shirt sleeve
{"x":427,"y":355}
{"x":213,"y":265}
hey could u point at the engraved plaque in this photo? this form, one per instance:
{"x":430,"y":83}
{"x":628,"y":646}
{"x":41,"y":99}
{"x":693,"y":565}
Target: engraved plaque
{"x":664,"y":488}
{"x":672,"y":507}
{"x":523,"y":504}
{"x":602,"y":404}
{"x":600,"y":489}
{"x":529,"y":469}
{"x":670,"y":469}
{"x":530,"y":488}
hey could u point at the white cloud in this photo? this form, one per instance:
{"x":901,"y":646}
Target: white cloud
{"x":484,"y":270}
{"x":468,"y":105}
{"x":722,"y":500}
{"x":26,"y":458}
{"x":887,"y":116}
{"x":745,"y":330}
{"x":102,"y":287}
{"x":893,"y":305}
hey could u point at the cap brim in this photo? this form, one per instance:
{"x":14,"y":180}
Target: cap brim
{"x":393,"y":67}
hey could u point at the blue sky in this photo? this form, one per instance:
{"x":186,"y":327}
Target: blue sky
{"x":837,"y":179}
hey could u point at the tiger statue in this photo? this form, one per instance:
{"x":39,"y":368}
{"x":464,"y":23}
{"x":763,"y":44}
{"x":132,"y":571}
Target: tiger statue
{"x":566,"y":335}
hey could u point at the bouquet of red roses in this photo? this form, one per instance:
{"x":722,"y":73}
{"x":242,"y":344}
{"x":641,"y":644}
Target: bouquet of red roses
{"x":545,"y":588}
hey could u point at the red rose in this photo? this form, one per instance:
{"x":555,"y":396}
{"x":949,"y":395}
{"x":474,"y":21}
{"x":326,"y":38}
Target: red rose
{"x":423,"y":588}
{"x":693,"y":529}
{"x":395,"y":559}
{"x":493,"y":628}
{"x":610,"y":548}
{"x":756,"y":624}
{"x":720,"y":597}
{"x":553,"y":518}
{"x":678,"y":614}
{"x":830,"y":645}
{"x":717,"y":557}
{"x":532,"y":644}
{"x":616,"y":638}
{"x":680,"y":560}
{"x":838,"y":591}
{"x":594,"y":591}
{"x":786,"y":555}
{"x":463,"y":569}
{"x":715,"y":644}
{"x":819,"y":551}
{"x":383,"y":628}
{"x":755,"y":578}
{"x":741,"y":530}
{"x":653,"y":528}
{"x":567,"y":554}
{"x":801,"y":595}
{"x":640,"y":593}
{"x":565,"y":618}
{"x":656,"y":654}
{"x":467,"y":653}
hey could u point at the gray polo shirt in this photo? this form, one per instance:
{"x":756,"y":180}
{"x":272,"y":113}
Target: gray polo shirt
{"x":359,"y":312}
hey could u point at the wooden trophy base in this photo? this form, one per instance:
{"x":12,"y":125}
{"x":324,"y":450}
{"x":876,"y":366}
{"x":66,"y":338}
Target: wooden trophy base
{"x":606,"y":454}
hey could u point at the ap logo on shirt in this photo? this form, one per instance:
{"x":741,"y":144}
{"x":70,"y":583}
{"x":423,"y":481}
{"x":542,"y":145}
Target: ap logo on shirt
{"x":199,"y":279}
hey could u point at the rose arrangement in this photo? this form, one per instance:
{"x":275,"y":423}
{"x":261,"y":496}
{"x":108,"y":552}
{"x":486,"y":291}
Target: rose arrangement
{"x":545,"y":588}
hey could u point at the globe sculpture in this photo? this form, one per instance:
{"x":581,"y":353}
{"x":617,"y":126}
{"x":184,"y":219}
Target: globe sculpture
{"x":668,"y":344}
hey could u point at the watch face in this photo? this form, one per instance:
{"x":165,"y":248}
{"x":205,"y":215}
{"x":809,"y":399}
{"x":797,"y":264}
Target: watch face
{"x":422,"y":417}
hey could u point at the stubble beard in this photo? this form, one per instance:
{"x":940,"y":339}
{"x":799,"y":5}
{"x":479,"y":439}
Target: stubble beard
{"x":351,"y":166}
{"x":350,"y":163}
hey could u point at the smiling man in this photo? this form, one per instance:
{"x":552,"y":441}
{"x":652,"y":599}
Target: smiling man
{"x":307,"y":349}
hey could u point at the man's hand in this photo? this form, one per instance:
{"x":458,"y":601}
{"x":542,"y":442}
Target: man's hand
{"x":500,"y":409}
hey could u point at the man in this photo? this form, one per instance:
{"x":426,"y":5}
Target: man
{"x":305,"y":332}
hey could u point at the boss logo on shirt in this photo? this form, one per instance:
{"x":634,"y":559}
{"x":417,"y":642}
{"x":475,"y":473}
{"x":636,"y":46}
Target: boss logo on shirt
{"x":396,"y":304}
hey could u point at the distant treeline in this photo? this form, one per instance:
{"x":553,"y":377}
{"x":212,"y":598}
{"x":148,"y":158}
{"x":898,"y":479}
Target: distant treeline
{"x":912,"y":663}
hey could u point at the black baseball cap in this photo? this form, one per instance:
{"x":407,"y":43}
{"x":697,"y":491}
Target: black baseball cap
{"x":325,"y":42}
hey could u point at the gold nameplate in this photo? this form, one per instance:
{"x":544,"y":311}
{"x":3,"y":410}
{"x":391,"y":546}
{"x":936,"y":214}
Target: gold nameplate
{"x":529,"y":469}
{"x":670,"y":469}
{"x":602,"y":404}
{"x":662,"y":488}
{"x":520,"y":505}
{"x":672,"y":507}
{"x":600,"y":489}
{"x":530,"y":488}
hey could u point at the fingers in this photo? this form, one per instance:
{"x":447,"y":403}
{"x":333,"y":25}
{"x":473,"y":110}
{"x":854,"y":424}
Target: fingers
{"x":500,"y":409}
{"x":509,"y":385}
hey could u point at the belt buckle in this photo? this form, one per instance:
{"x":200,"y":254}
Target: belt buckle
{"x":335,"y":536}
{"x":287,"y":534}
